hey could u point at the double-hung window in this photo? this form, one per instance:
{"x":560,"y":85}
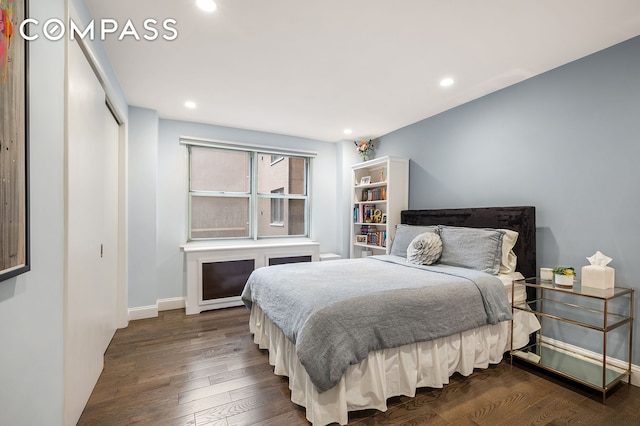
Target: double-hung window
{"x":243,"y":192}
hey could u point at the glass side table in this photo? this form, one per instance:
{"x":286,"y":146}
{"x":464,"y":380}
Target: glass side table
{"x":586,"y":307}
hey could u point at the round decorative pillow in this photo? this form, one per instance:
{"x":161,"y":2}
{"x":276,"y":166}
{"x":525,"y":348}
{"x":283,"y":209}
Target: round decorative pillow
{"x":425,"y":249}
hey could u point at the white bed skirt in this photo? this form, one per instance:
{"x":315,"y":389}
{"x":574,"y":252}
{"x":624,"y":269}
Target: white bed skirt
{"x":388,"y":372}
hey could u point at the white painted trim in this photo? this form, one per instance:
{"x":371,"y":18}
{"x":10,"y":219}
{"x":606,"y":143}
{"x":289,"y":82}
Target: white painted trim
{"x":240,"y":146}
{"x":143,"y":312}
{"x":329,"y":256}
{"x":247,"y":244}
{"x":151,"y":311}
{"x":225,"y":302}
{"x":635,"y":369}
{"x":123,"y":227}
{"x":169,"y":304}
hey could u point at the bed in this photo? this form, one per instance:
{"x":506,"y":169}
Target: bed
{"x":349,"y":334}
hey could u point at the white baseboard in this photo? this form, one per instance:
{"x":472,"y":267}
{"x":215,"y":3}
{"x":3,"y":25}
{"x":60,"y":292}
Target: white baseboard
{"x":223,"y":302}
{"x":169,"y":304}
{"x":635,"y":369}
{"x":143,"y":312}
{"x":151,"y":311}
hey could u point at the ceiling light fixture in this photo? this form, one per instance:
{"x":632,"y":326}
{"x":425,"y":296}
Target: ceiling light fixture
{"x":446,"y":82}
{"x":190,"y":104}
{"x":207,"y":5}
{"x":348,"y":131}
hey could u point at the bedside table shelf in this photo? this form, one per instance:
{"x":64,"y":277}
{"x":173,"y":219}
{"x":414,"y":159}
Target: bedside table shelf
{"x":582,"y":307}
{"x":581,"y":369}
{"x":577,"y":315}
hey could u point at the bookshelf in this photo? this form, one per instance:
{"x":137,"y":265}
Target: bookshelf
{"x":379,"y":193}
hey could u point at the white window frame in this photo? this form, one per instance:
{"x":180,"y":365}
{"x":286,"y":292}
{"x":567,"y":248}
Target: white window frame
{"x":277,"y":208}
{"x":254,"y":151}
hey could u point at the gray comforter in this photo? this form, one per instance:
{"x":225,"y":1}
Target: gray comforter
{"x":337,"y":312}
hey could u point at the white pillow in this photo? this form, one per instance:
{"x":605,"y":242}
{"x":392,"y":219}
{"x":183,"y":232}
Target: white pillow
{"x":425,"y":249}
{"x":509,"y":259}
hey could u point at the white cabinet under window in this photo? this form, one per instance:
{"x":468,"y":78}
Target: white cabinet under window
{"x":380,"y":191}
{"x":218,"y":270}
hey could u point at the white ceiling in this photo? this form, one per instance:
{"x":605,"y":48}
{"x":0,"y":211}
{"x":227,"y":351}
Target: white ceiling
{"x":312,"y":68}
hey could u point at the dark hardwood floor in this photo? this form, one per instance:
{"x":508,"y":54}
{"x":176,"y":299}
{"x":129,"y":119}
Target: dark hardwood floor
{"x":205,"y":370}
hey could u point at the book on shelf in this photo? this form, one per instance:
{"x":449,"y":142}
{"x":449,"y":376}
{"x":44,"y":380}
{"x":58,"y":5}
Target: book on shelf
{"x":375,"y":236}
{"x":374,"y":194}
{"x":366,"y":229}
{"x":364,"y":213}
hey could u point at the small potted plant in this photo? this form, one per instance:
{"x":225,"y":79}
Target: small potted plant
{"x":563,"y":275}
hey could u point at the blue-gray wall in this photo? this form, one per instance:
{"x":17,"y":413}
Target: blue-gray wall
{"x":142,"y":196}
{"x":566,"y":141}
{"x":31,"y":305}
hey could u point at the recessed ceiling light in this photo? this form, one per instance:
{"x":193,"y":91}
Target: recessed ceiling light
{"x":207,"y":5}
{"x":446,"y":82}
{"x":348,"y":131}
{"x":190,"y":104}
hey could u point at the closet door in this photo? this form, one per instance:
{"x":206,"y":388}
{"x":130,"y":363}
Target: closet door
{"x":91,"y":233}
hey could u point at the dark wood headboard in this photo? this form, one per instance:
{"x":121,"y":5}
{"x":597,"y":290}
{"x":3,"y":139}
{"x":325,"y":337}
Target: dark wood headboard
{"x":519,"y":219}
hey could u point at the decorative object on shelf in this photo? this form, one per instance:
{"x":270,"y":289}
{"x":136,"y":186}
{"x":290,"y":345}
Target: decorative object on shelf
{"x":546,"y":274}
{"x":563,"y":275}
{"x":361,"y":239}
{"x":598,"y":274}
{"x":383,"y":219}
{"x":376,"y":217}
{"x":365,"y":148}
{"x":365,"y":180}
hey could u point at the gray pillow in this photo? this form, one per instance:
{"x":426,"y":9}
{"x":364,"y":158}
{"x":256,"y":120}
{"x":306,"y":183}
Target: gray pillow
{"x":473,"y":248}
{"x":405,"y":234}
{"x":425,"y":249}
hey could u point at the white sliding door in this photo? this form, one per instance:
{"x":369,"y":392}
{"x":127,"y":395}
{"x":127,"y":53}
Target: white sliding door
{"x":91,"y":277}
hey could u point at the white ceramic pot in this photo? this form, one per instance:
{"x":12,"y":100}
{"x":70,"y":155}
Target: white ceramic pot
{"x":564,"y":280}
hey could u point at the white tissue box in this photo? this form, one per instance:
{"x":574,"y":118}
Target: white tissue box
{"x":598,"y":276}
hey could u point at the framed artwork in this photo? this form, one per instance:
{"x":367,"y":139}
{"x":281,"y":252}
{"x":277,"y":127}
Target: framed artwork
{"x":14,"y":147}
{"x":361,"y":239}
{"x":365,"y":180}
